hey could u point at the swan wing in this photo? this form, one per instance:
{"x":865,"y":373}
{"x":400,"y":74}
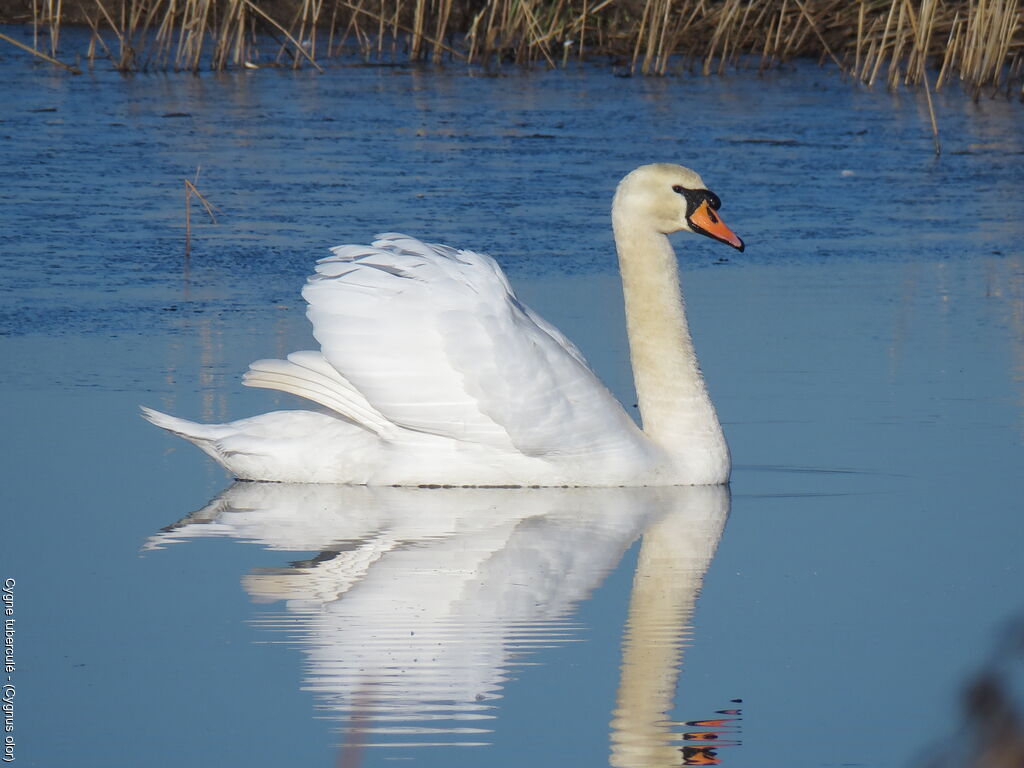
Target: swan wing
{"x":307,"y":374}
{"x":436,"y":341}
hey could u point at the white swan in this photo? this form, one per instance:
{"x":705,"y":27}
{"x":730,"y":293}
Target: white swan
{"x":433,"y":373}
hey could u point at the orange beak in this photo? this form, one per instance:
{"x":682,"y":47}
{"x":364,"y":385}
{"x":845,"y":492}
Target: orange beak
{"x":707,"y":222}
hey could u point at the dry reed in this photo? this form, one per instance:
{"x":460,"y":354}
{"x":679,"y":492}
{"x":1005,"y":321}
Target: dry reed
{"x":891,"y":42}
{"x":190,"y":190}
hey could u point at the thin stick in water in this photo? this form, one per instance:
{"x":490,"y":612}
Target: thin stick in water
{"x":190,"y":189}
{"x":70,"y":68}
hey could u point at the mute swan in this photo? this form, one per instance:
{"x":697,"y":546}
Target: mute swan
{"x":433,"y":373}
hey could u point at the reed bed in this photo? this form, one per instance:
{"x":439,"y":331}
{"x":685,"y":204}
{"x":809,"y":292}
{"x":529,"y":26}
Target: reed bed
{"x":979,"y":43}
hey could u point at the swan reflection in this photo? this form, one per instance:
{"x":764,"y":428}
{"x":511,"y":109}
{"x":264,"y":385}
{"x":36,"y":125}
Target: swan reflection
{"x":419,"y":602}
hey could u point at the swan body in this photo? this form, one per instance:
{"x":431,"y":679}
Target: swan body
{"x":431,"y":371}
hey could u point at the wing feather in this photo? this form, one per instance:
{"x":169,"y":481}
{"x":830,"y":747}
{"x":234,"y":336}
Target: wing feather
{"x":307,"y":374}
{"x":435,"y":340}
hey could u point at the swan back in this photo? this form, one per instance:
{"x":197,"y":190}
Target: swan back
{"x":437,"y":342}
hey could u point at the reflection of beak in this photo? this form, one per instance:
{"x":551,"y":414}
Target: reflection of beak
{"x":707,"y":222}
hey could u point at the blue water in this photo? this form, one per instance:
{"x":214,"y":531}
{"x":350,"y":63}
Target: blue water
{"x":866,"y":356}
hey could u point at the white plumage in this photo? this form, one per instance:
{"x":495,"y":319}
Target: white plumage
{"x":432,"y":372}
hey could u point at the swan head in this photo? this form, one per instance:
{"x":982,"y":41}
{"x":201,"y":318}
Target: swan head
{"x":670,"y":198}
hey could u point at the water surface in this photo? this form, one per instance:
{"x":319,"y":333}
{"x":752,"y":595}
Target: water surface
{"x":866,"y":355}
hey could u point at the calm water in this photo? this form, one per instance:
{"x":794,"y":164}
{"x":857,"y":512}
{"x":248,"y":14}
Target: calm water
{"x":866,"y":355}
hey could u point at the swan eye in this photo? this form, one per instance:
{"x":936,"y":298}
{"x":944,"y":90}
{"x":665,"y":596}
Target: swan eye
{"x":678,"y":189}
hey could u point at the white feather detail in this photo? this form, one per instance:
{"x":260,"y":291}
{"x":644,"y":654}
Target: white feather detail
{"x":306,"y":374}
{"x":437,"y":342}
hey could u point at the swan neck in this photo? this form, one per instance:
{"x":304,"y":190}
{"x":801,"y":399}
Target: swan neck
{"x":675,"y":408}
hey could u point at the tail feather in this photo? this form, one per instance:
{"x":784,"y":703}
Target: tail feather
{"x":190,"y":430}
{"x":205,"y":436}
{"x":287,"y":446}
